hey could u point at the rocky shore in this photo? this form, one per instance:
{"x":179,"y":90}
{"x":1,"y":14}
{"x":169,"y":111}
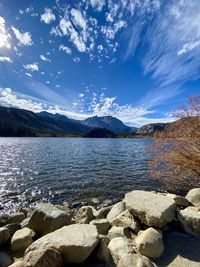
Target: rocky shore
{"x":145,"y":229}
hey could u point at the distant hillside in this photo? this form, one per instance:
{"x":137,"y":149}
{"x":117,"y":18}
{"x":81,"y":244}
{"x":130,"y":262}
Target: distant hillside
{"x":151,"y":128}
{"x":108,"y":122}
{"x":19,"y":122}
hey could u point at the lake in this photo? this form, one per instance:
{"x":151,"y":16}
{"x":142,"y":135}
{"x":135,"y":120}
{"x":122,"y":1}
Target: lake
{"x":59,"y":169}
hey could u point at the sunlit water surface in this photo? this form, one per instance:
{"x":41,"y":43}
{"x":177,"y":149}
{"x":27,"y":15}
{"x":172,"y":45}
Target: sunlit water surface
{"x":59,"y":169}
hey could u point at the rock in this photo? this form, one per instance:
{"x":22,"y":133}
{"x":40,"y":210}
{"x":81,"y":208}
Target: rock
{"x":18,"y":264}
{"x":179,"y":200}
{"x":5,"y":260}
{"x":13,"y":227}
{"x":190,"y":220}
{"x":181,"y":250}
{"x":103,"y":212}
{"x":119,"y":247}
{"x":152,"y":209}
{"x":134,"y":260}
{"x":106,"y":203}
{"x":116,"y":210}
{"x":75,"y":242}
{"x":25,"y":211}
{"x":4,"y":235}
{"x":25,"y":223}
{"x":126,"y":219}
{"x":102,"y":225}
{"x":193,"y":196}
{"x":118,"y":232}
{"x":95,"y":201}
{"x":84,"y":215}
{"x":16,"y":217}
{"x":47,"y":218}
{"x":4,"y":219}
{"x":22,"y":239}
{"x":43,"y":258}
{"x":103,"y":253}
{"x":150,"y":243}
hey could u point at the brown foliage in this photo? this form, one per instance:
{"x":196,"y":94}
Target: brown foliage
{"x":176,"y":161}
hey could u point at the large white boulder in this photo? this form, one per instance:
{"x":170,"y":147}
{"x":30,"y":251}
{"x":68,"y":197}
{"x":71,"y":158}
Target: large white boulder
{"x":152,"y":209}
{"x":75,"y":242}
{"x":116,"y":210}
{"x":150,"y":243}
{"x":193,"y":196}
{"x":43,"y":258}
{"x":126,"y":219}
{"x":116,"y":231}
{"x":135,"y":260}
{"x":47,"y":218}
{"x":22,"y":239}
{"x":190,"y":220}
{"x":119,"y":247}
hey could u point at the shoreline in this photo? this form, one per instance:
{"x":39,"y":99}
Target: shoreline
{"x":121,"y":232}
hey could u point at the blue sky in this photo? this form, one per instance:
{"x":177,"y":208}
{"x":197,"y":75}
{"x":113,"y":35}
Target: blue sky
{"x":136,"y":60}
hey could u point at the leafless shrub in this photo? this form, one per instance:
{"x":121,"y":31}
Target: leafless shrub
{"x":176,"y":160}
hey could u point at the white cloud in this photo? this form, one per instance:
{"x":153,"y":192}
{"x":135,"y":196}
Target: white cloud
{"x":97,"y":4}
{"x":6,"y":59}
{"x":48,"y":16}
{"x":4,"y":35}
{"x":188,"y":47}
{"x":23,"y":38}
{"x":68,"y":29}
{"x":78,"y":19}
{"x":42,"y":57}
{"x":65,"y":49}
{"x":32,"y":67}
{"x":81,"y":95}
{"x":173,"y":40}
{"x":28,"y":74}
{"x":76,"y":59}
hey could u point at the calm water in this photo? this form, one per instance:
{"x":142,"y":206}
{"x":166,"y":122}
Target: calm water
{"x":59,"y":169}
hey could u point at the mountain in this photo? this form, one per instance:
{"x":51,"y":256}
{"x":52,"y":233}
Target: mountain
{"x":151,"y":128}
{"x":107,"y":122}
{"x":19,"y":122}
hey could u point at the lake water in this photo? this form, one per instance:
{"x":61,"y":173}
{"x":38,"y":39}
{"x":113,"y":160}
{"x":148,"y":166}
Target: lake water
{"x":59,"y":169}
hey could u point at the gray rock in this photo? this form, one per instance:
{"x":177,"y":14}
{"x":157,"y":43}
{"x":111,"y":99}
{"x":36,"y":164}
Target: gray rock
{"x":84,"y":215}
{"x":103,"y":253}
{"x":16,"y":217}
{"x":116,"y":210}
{"x":43,"y":258}
{"x":118,"y":232}
{"x":103,"y":212}
{"x":126,"y":219}
{"x":5,"y":260}
{"x":75,"y":242}
{"x":47,"y":218}
{"x":190,"y":220}
{"x":18,"y":264}
{"x":150,"y":243}
{"x":152,"y":209}
{"x":4,"y":219}
{"x":179,"y":200}
{"x":22,"y":239}
{"x":119,"y":247}
{"x":181,"y":250}
{"x":4,"y":235}
{"x":25,"y":223}
{"x":193,"y":196}
{"x":13,"y":227}
{"x":106,"y":203}
{"x":102,"y":225}
{"x":135,"y":260}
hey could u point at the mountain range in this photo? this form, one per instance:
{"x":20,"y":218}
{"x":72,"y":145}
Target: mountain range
{"x":20,"y":122}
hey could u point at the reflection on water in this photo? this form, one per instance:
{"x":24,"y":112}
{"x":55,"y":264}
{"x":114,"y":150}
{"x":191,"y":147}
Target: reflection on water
{"x":58,"y":169}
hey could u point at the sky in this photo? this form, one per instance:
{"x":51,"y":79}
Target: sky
{"x":137,"y":60}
